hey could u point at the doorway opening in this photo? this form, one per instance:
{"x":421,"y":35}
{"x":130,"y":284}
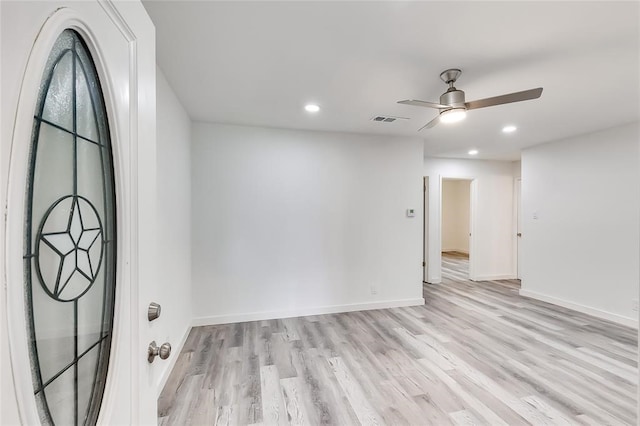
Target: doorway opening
{"x":456,"y":228}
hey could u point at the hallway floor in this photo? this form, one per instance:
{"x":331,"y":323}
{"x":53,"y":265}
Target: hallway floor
{"x":476,"y":352}
{"x":455,"y":266}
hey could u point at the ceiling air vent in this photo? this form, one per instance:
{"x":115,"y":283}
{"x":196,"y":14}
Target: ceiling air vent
{"x":387,"y":118}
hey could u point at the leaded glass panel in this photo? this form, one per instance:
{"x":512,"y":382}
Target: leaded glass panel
{"x":70,"y":231}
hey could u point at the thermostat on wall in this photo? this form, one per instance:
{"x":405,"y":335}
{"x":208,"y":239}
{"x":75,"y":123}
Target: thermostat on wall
{"x":411,"y":212}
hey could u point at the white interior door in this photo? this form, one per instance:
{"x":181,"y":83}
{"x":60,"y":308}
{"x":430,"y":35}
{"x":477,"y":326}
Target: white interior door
{"x":56,"y":164}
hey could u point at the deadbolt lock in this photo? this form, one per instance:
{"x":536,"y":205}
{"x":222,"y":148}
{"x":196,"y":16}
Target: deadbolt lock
{"x":154,"y":311}
{"x":163,"y":351}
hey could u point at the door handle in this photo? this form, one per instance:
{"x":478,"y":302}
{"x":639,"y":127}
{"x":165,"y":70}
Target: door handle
{"x":519,"y":234}
{"x":153,"y":351}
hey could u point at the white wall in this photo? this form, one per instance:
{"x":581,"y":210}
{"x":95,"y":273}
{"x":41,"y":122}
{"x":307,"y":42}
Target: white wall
{"x":455,"y":215}
{"x":174,"y":223}
{"x":288,"y":222}
{"x":493,"y":239}
{"x":583,"y":249}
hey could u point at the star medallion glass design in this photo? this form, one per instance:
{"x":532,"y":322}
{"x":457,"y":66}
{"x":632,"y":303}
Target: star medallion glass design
{"x":70,"y":244}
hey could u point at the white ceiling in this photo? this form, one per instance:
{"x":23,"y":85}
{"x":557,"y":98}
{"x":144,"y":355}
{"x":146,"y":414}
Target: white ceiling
{"x":259,"y":63}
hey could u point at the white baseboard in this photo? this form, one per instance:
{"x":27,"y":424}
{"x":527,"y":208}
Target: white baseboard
{"x":173,"y":358}
{"x":619,"y":319}
{"x":495,"y":277}
{"x":319,"y":310}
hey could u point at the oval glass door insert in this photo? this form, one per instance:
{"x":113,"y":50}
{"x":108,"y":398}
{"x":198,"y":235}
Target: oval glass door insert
{"x":70,"y":232}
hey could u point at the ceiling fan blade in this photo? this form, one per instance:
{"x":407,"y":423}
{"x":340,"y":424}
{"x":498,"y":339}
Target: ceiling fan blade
{"x":525,"y":95}
{"x":425,"y":104}
{"x":430,"y":124}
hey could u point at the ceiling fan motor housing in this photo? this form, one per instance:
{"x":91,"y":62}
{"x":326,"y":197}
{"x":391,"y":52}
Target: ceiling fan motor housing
{"x":453,"y":97}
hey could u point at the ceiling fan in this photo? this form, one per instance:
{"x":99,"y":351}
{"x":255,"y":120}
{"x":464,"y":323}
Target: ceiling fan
{"x":453,"y":107}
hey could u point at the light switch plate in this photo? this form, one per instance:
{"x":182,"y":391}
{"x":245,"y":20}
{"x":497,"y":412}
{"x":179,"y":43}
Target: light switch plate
{"x":411,"y":212}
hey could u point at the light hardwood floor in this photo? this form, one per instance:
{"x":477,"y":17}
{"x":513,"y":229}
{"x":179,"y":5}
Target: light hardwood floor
{"x":475,"y":353}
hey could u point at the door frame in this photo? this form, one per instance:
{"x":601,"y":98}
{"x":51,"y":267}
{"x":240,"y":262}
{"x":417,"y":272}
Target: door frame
{"x":473,"y":208}
{"x":425,"y":229}
{"x":473,"y":199}
{"x":433,"y":226}
{"x":124,"y":370}
{"x":517,"y":225}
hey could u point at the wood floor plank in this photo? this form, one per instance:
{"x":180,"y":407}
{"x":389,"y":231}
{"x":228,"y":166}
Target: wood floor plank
{"x":570,"y":397}
{"x":225,"y":416}
{"x":424,"y":350}
{"x":395,"y":396}
{"x":464,"y":418}
{"x":469,"y":400}
{"x":538,"y":404}
{"x":185,"y":401}
{"x":205,"y":408}
{"x":359,"y":402}
{"x":293,"y":391}
{"x":273,"y":405}
{"x":475,"y":353}
{"x":433,"y":413}
{"x":168,"y":396}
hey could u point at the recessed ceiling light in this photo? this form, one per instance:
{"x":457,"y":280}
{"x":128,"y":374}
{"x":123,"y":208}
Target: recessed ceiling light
{"x":473,"y":152}
{"x":509,"y":129}
{"x":312,"y":108}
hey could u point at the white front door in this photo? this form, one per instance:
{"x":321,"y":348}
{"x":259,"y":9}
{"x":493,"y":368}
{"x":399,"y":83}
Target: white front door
{"x":92,"y":274}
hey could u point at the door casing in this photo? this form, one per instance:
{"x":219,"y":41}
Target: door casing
{"x":425,"y":230}
{"x":517,"y":207}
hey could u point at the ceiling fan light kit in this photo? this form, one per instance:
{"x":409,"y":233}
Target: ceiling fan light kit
{"x":453,"y":115}
{"x":452,"y":104}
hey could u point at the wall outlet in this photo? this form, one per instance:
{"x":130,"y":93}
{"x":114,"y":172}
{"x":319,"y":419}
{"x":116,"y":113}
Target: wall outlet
{"x":635,"y":305}
{"x":374,"y":289}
